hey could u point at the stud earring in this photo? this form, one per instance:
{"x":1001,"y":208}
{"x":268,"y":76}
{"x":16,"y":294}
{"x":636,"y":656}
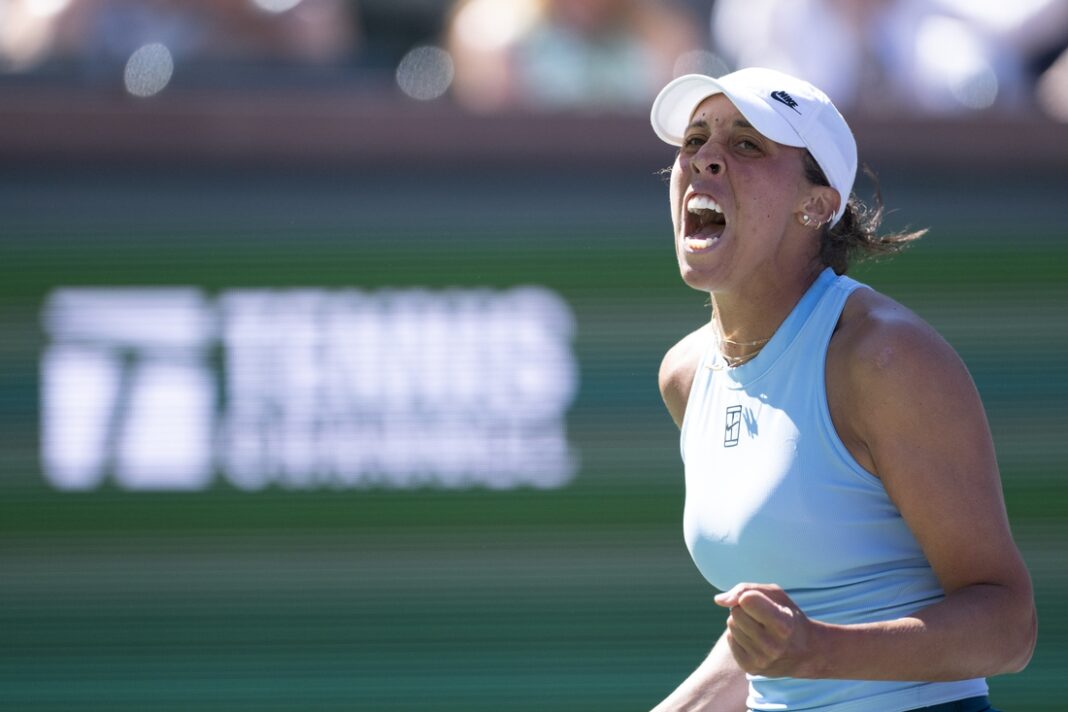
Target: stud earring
{"x":805,"y":220}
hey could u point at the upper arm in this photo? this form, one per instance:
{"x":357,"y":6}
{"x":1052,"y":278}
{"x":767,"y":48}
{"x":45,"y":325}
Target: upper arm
{"x":917,"y":412}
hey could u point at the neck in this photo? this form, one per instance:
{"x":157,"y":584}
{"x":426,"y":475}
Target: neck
{"x":747,"y":318}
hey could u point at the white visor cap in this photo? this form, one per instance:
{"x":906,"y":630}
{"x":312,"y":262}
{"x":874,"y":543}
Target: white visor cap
{"x":786,"y":109}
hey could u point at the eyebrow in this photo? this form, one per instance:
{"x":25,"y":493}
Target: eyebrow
{"x":702,"y":124}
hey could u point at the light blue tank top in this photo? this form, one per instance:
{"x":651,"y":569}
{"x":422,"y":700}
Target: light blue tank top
{"x":774,"y":496}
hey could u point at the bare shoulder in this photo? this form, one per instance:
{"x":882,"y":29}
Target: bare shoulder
{"x":677,"y":371}
{"x":879,"y":342}
{"x":887,"y":369}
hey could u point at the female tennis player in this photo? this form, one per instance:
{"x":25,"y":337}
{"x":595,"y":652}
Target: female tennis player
{"x":841,"y":485}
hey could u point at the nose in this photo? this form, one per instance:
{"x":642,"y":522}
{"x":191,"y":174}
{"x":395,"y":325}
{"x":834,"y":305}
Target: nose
{"x":707,"y":160}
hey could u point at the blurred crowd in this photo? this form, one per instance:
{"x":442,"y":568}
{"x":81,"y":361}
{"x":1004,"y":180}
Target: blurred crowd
{"x":940,"y":57}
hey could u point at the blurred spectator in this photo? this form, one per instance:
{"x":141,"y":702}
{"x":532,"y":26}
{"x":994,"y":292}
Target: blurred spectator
{"x":566,"y":54}
{"x":26,"y":30}
{"x":96,"y":33}
{"x":882,"y":56}
{"x":1042,"y":40}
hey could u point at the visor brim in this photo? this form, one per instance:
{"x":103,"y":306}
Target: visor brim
{"x":674,"y":106}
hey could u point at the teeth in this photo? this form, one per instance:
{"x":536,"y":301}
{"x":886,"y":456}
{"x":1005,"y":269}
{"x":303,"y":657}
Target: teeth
{"x":700,"y":243}
{"x":702,"y":202}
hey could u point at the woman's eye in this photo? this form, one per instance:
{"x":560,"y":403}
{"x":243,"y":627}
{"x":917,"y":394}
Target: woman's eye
{"x":695,"y":141}
{"x":747,"y":145}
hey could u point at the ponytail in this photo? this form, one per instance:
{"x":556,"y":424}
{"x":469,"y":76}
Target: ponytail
{"x":856,"y":235}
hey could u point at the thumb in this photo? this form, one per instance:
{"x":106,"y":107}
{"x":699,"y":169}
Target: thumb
{"x":729,"y":598}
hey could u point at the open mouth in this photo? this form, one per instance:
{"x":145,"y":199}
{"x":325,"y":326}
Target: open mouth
{"x":704,"y":223}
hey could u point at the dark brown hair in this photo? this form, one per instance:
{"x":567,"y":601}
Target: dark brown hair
{"x":856,"y":236}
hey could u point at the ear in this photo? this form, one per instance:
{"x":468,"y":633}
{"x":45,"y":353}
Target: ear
{"x":820,"y":203}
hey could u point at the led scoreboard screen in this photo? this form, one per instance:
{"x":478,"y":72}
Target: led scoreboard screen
{"x":167,"y":388}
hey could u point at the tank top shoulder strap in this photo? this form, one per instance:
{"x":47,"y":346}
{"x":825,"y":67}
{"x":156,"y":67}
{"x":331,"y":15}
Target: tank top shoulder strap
{"x":825,"y":315}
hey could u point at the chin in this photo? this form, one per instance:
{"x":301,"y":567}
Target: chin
{"x":696,"y":279}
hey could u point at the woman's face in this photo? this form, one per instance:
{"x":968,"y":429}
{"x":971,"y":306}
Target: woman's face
{"x":736,"y":197}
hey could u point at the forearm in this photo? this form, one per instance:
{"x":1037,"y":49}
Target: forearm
{"x":977,"y":631}
{"x":717,"y":685}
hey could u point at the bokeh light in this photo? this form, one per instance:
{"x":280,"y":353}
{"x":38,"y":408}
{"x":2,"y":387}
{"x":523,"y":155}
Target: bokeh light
{"x":276,"y":6}
{"x":425,"y":73}
{"x":955,"y":63}
{"x":149,"y":70}
{"x":46,"y":8}
{"x":490,"y":25}
{"x":978,"y":91}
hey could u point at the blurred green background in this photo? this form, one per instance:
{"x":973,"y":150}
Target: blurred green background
{"x":581,"y":598}
{"x":371,"y":145}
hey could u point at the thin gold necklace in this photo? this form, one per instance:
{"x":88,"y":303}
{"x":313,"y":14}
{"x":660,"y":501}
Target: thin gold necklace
{"x":733,"y":361}
{"x":758,"y":342}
